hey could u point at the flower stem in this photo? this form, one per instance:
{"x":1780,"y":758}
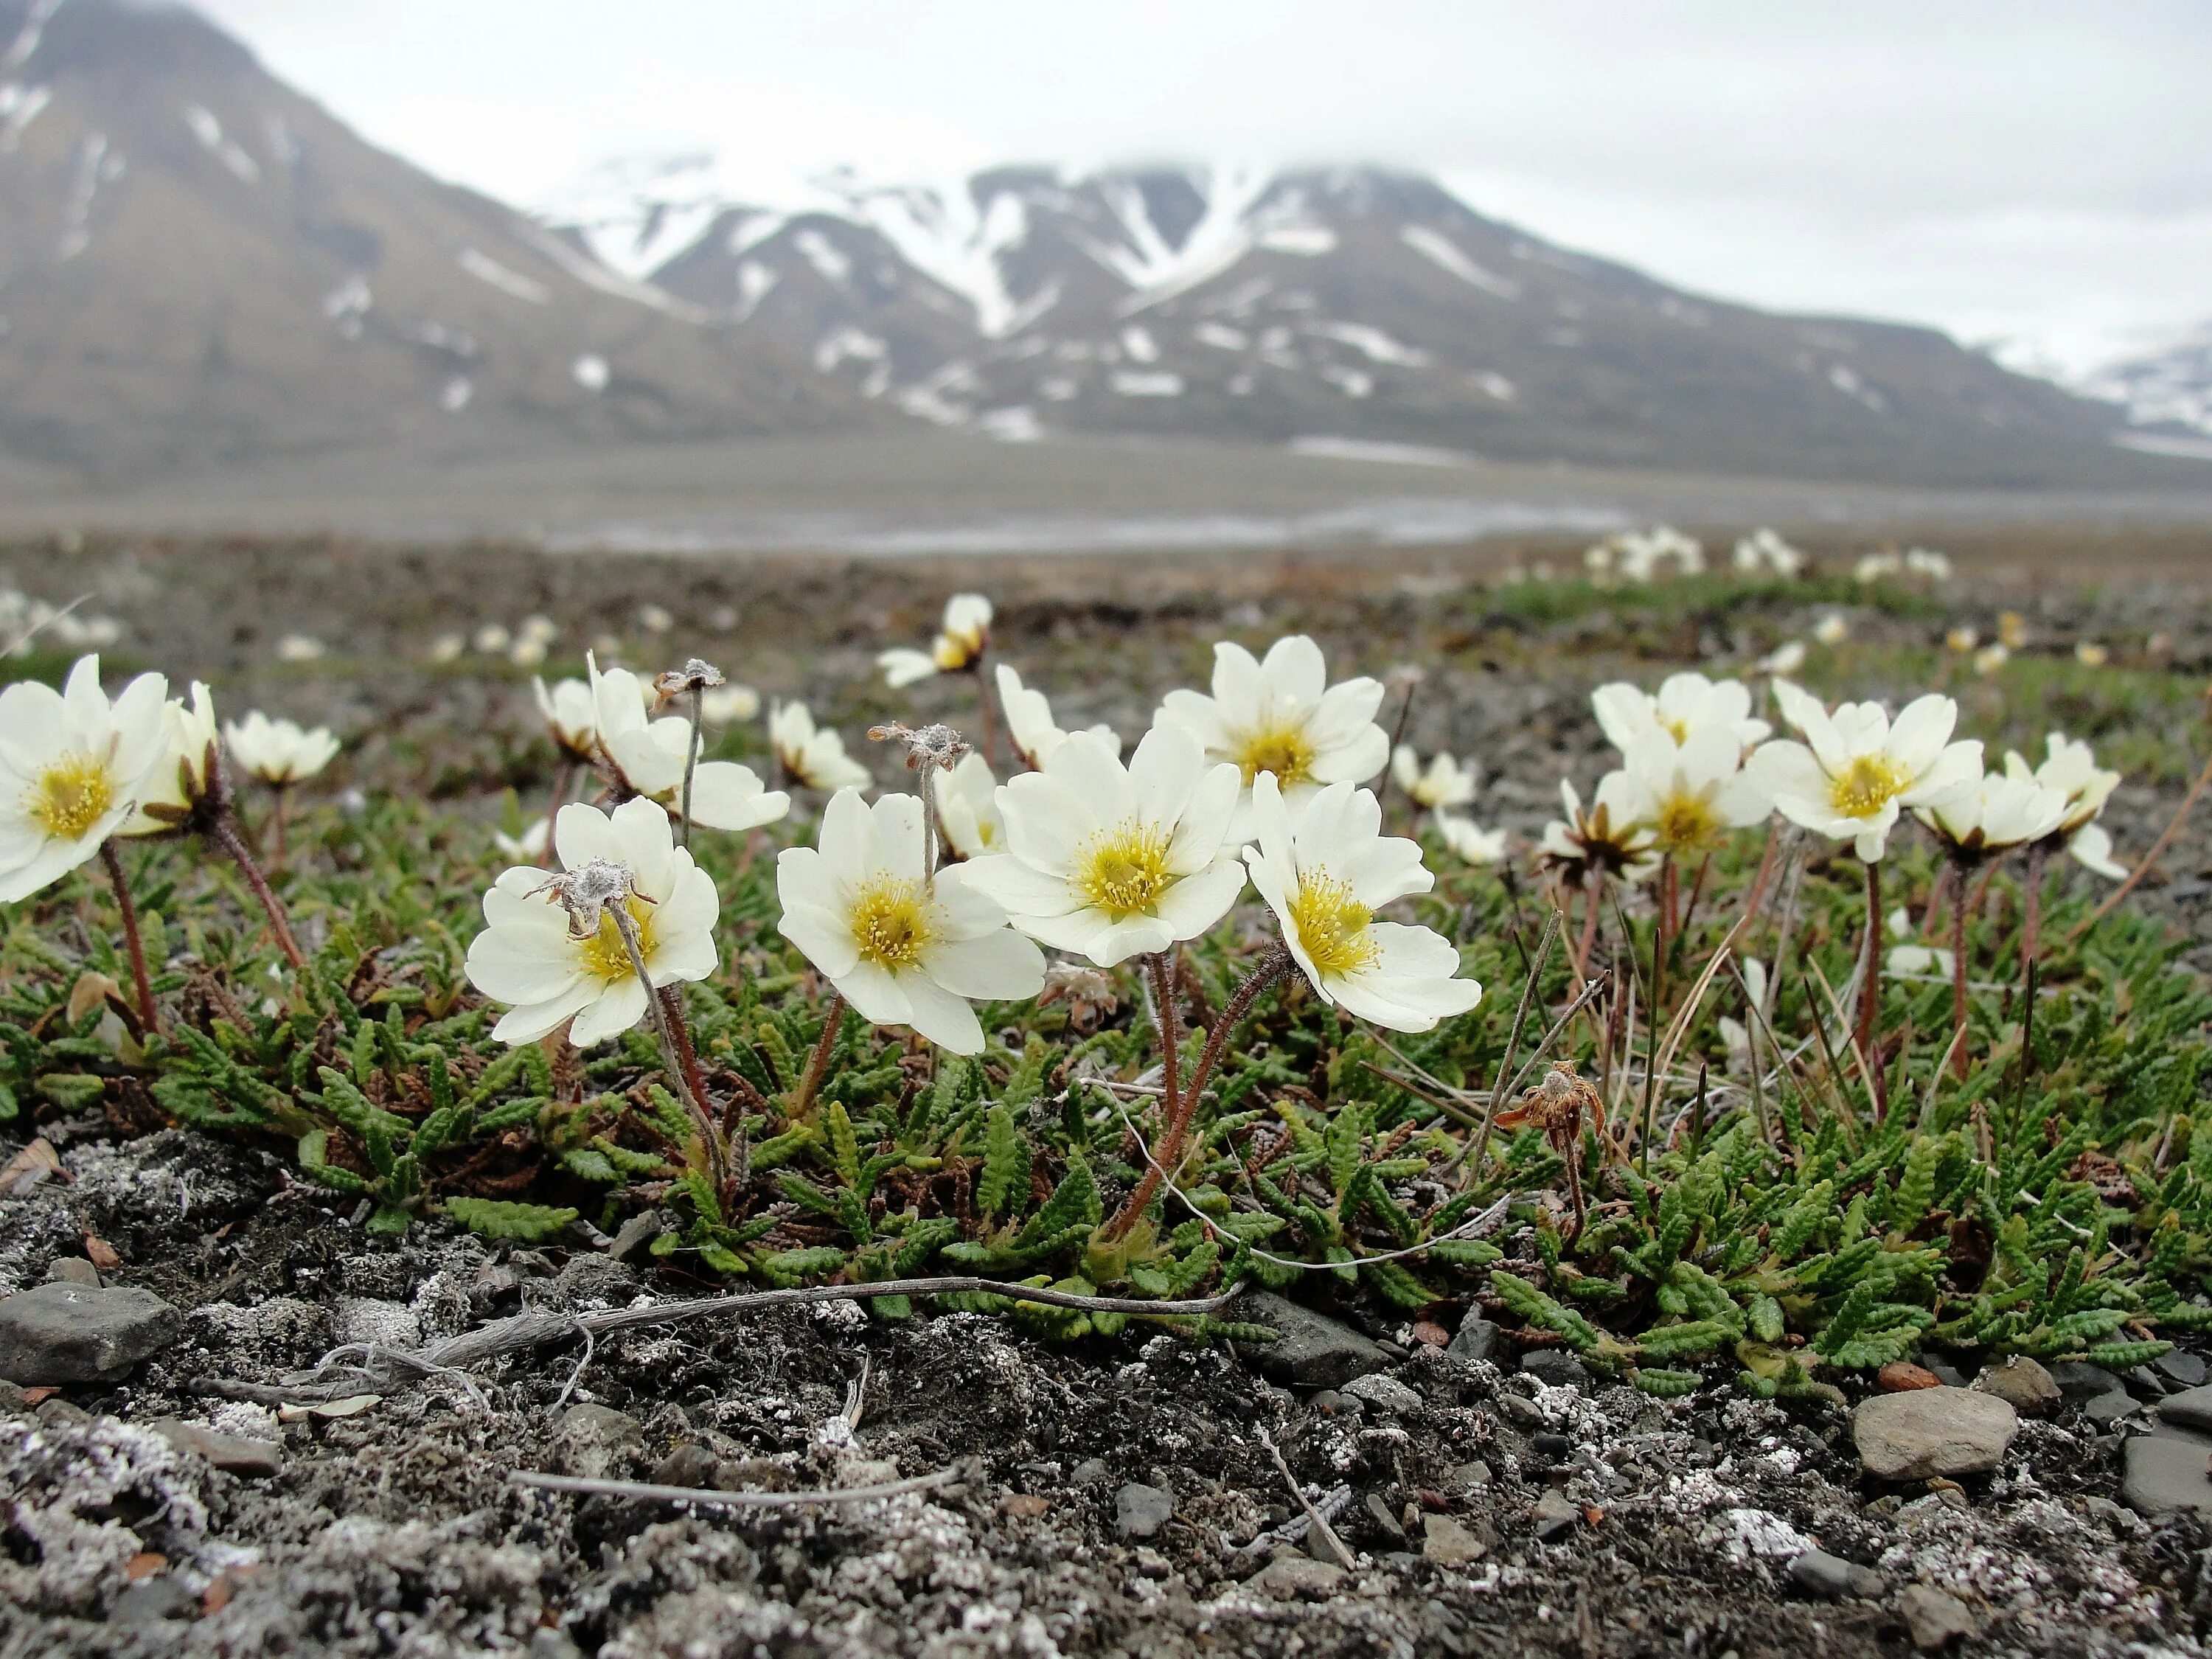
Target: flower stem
{"x":1958,"y":969}
{"x":818,"y":1062}
{"x":1182,"y":1110}
{"x":1870,"y":989}
{"x":564,"y":773}
{"x":667,"y":1020}
{"x":141,"y":982}
{"x":226,"y":836}
{"x":984,"y":684}
{"x":2030,"y":934}
{"x":283,"y":795}
{"x":1593,"y":885}
{"x":691,"y":754}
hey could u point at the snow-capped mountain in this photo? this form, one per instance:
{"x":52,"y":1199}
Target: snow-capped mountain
{"x":2166,"y":389}
{"x":1351,"y":303}
{"x":196,"y":263}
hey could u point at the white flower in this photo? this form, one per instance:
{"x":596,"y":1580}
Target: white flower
{"x":1613,"y":837}
{"x":1875,"y":566}
{"x":1860,"y":770}
{"x":1786,"y":658}
{"x":1110,"y":861}
{"x":2090,"y":654}
{"x":1764,"y":550}
{"x":527,"y":848}
{"x":960,"y":644}
{"x":1696,"y":791}
{"x":812,"y":755}
{"x":1444,"y":783}
{"x":1994,"y":814}
{"x":1990,"y":658}
{"x":1684,"y":703}
{"x":529,"y":955}
{"x":903,"y":949}
{"x":71,"y":766}
{"x":1324,"y":872}
{"x":1961,"y":638}
{"x":1914,"y":959}
{"x":571,"y":717}
{"x":1030,"y":723}
{"x":187,"y":771}
{"x":1281,"y":715}
{"x":279,"y":752}
{"x":729,"y":705}
{"x":1832,"y":628}
{"x":2071,"y":769}
{"x":968,"y":807}
{"x":1927,"y":561}
{"x":1469,"y":841}
{"x":647,"y":756}
{"x":299,"y":647}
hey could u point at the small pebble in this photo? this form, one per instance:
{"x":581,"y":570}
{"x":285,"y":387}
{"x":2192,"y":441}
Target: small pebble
{"x":2183,"y":1367}
{"x":1900,"y":1377}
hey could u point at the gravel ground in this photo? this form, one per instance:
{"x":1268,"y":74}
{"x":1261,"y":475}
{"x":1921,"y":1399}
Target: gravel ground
{"x":1112,"y":1496}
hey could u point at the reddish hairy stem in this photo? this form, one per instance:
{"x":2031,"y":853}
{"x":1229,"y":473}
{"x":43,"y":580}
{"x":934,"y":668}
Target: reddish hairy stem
{"x":1958,"y":874}
{"x":1870,"y":989}
{"x":226,"y":836}
{"x":818,"y":1063}
{"x":141,"y":982}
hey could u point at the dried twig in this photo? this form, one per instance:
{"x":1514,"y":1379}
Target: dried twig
{"x":1315,"y":1518}
{"x":644,"y":1492}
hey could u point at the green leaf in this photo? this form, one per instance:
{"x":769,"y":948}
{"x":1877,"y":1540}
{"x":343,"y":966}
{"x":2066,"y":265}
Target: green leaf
{"x":524,"y":1224}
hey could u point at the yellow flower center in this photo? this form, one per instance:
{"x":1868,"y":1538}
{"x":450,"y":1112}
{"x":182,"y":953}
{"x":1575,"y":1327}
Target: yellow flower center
{"x":1687,"y":820}
{"x":1333,"y":926}
{"x":70,"y":796}
{"x":604,"y":954}
{"x":1679,"y":730}
{"x":1124,"y":871}
{"x":1867,"y":784}
{"x":891,"y":922}
{"x":1286,"y":751}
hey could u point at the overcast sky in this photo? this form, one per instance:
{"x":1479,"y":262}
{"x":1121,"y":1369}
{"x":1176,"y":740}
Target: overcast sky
{"x":2020,"y":170}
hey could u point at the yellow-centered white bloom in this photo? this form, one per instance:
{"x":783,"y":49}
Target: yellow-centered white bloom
{"x":1109,"y":861}
{"x":1911,"y":956}
{"x":1468,"y":841}
{"x":1786,"y":658}
{"x":1696,"y":791}
{"x":187,"y":771}
{"x":1030,"y":723}
{"x":2071,"y":769}
{"x":1611,"y":838}
{"x":1990,"y":658}
{"x":71,"y":766}
{"x":528,"y":846}
{"x":571,"y":715}
{"x":903,"y":949}
{"x":279,"y":753}
{"x":1683,"y":704}
{"x":1856,"y":770}
{"x":729,"y":705}
{"x":960,"y":644}
{"x":1832,"y":628}
{"x":647,"y":757}
{"x":1279,"y":714}
{"x":1443,"y":783}
{"x":812,"y":755}
{"x":1994,"y":814}
{"x":529,"y":955}
{"x":968,"y":807}
{"x":1325,"y":871}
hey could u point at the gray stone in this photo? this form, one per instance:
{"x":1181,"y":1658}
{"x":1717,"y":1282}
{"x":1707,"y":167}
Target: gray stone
{"x":1314,"y":1350}
{"x":2146,"y":1383}
{"x":554,"y":1644}
{"x":1378,"y":1511}
{"x":2107,"y":1409}
{"x":150,"y":1601}
{"x":1926,"y":1432}
{"x":2166,"y":1472}
{"x":595,"y":1441}
{"x":1521,"y":1410}
{"x":1385,"y":1393}
{"x":1296,"y":1578}
{"x":1832,"y":1578}
{"x":2080,"y":1380}
{"x":1465,"y":1477}
{"x":1090,"y":1469}
{"x":257,"y":1460}
{"x":1554,"y":1367}
{"x":1139,"y":1512}
{"x":2021,"y":1383}
{"x":1935,"y":1618}
{"x":72,"y":1270}
{"x":1555,"y":1513}
{"x":65,"y":1332}
{"x":2183,"y":1367}
{"x":689,"y":1465}
{"x":1949,"y":1376}
{"x":1478,"y":1339}
{"x":1447,"y":1543}
{"x":2190,"y":1409}
{"x":640,"y":1228}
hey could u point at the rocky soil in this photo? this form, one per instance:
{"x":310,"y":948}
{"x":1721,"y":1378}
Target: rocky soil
{"x":1115,"y":1497}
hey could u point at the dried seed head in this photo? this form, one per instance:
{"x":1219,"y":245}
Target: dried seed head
{"x":931,"y":748}
{"x":589,"y":889}
{"x":696,"y":675}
